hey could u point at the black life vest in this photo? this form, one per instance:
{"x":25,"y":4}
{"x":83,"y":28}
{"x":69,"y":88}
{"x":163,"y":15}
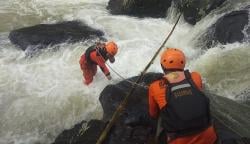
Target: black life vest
{"x":187,"y":111}
{"x":100,"y":51}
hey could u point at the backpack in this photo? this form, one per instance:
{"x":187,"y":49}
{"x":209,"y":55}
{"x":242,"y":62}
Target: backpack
{"x":187,"y":111}
{"x":92,"y":48}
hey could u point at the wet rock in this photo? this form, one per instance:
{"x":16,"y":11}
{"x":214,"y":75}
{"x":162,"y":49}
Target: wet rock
{"x":123,"y":134}
{"x":112,"y":96}
{"x":228,"y":29}
{"x":134,"y":125}
{"x":194,"y":10}
{"x":139,"y":8}
{"x":43,"y":35}
{"x":82,"y":133}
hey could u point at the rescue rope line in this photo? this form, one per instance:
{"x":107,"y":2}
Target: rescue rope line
{"x":131,"y":82}
{"x":119,"y":75}
{"x":121,"y":107}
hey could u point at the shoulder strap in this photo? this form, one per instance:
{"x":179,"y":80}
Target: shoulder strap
{"x":168,"y":89}
{"x":88,"y":52}
{"x":189,"y":79}
{"x":187,"y":74}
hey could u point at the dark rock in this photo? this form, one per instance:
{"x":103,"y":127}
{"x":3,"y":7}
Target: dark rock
{"x":194,"y":10}
{"x":123,"y":134}
{"x":134,"y":125}
{"x":228,"y":29}
{"x":139,"y":8}
{"x":112,"y":96}
{"x":90,"y":130}
{"x":43,"y":35}
{"x":228,"y":136}
{"x":231,"y":115}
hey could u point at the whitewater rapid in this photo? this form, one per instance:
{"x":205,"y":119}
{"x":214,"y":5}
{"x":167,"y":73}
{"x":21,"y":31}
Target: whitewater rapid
{"x":43,"y":95}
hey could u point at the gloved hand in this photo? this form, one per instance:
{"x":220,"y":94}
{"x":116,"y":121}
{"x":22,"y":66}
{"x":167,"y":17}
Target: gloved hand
{"x":109,"y":77}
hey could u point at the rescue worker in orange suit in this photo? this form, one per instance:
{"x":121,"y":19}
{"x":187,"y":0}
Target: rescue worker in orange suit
{"x":97,"y":55}
{"x":177,"y":99}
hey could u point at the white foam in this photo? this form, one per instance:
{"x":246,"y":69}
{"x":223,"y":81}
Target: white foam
{"x":44,"y":95}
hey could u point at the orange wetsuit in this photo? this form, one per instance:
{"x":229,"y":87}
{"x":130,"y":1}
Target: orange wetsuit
{"x":157,"y":101}
{"x":89,"y":67}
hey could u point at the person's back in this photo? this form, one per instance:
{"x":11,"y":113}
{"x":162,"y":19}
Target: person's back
{"x":183,"y":108}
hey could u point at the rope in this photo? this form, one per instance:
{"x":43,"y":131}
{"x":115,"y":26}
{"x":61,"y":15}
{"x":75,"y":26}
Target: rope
{"x":119,"y":75}
{"x":131,"y":82}
{"x":121,"y":107}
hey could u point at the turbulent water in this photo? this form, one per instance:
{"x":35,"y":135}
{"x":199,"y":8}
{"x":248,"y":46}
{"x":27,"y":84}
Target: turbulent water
{"x":41,"y":96}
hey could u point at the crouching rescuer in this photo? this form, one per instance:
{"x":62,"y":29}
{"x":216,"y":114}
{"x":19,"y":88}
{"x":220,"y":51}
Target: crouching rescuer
{"x":95,"y":55}
{"x":178,"y":101}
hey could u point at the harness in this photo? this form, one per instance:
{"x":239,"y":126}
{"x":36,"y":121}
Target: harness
{"x":100,"y":52}
{"x":187,"y":111}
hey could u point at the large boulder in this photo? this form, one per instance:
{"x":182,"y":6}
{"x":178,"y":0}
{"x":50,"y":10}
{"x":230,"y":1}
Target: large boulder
{"x":90,"y":130}
{"x":139,"y":8}
{"x":232,"y":27}
{"x":229,"y":28}
{"x":134,"y":125}
{"x":43,"y":35}
{"x":112,"y":95}
{"x":194,"y":10}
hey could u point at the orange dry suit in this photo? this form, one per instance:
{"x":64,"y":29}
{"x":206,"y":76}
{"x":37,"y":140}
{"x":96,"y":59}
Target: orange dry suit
{"x":184,"y":109}
{"x":92,"y":57}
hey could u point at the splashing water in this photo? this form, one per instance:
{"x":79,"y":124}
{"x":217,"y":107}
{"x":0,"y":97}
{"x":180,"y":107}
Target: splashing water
{"x":41,"y":96}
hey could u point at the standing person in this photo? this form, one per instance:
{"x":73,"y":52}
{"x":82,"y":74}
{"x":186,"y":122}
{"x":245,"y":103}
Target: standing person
{"x":178,"y":101}
{"x":95,"y":55}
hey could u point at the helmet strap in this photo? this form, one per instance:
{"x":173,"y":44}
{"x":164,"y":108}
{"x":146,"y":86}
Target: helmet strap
{"x":164,"y":70}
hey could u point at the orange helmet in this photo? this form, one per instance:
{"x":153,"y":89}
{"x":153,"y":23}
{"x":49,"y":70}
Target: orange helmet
{"x":173,"y":59}
{"x":111,"y":48}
